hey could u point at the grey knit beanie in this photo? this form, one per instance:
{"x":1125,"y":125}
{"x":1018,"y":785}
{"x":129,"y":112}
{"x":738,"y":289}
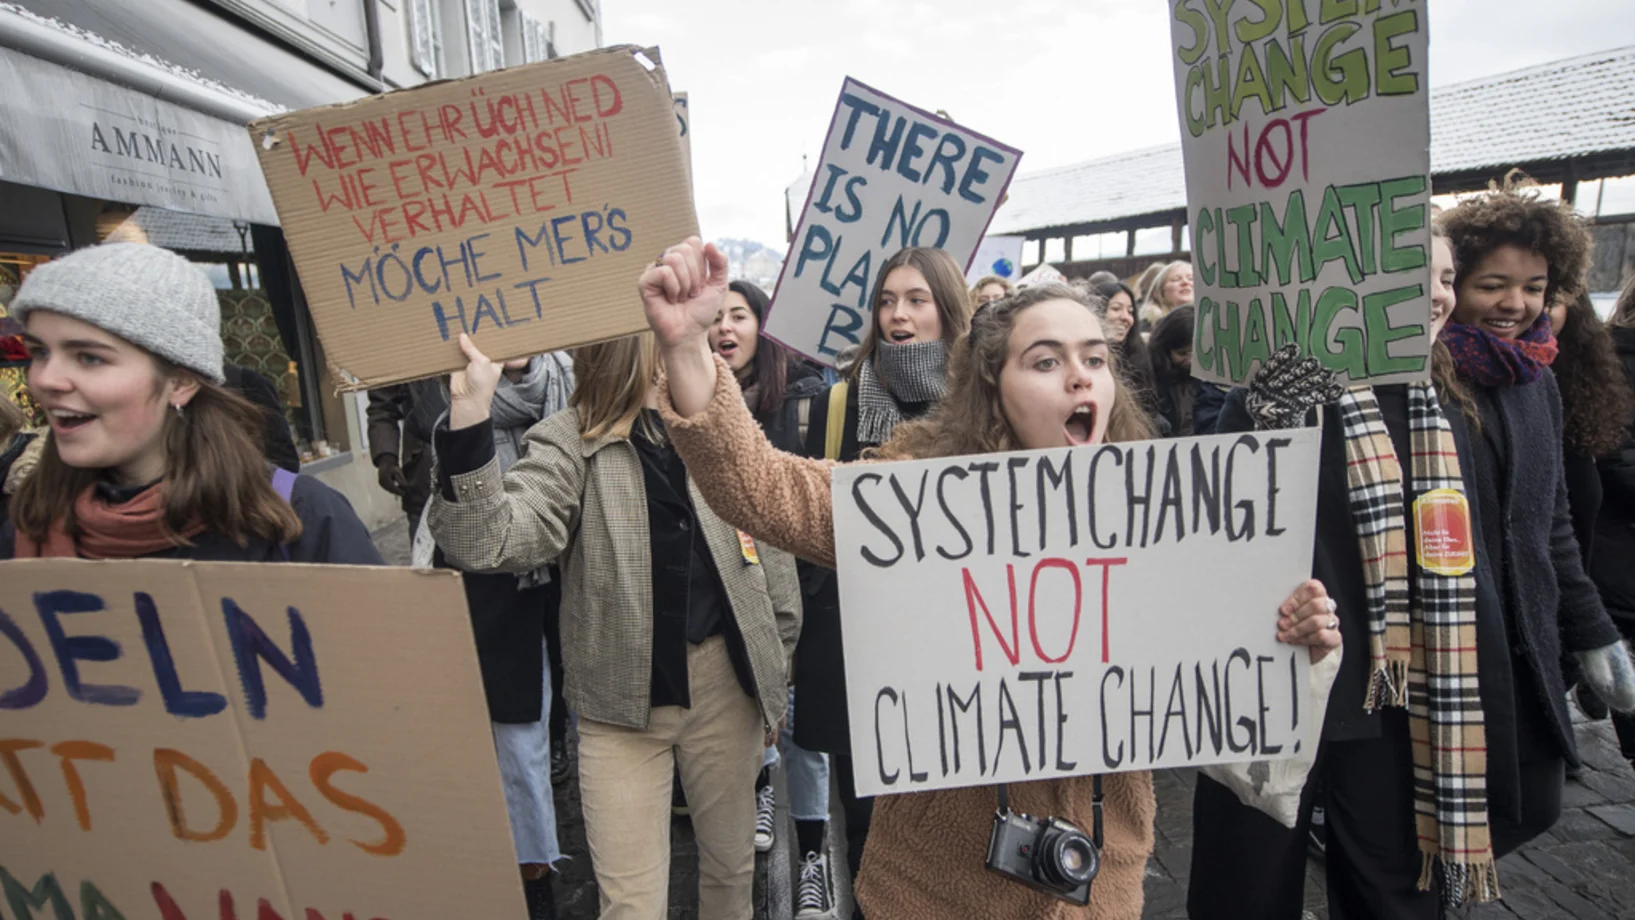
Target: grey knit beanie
{"x":148,"y":296}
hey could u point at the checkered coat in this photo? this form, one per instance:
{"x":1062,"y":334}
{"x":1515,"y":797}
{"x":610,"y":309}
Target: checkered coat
{"x":583,"y":504}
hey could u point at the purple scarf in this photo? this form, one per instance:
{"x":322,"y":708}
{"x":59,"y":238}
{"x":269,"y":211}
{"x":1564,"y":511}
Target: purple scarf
{"x":1490,"y":361}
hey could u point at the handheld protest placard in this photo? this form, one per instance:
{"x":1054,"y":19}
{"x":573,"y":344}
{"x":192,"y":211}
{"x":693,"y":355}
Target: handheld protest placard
{"x":190,"y":740}
{"x":518,"y":206}
{"x":1305,"y":128}
{"x":891,"y":176}
{"x":1035,"y":615}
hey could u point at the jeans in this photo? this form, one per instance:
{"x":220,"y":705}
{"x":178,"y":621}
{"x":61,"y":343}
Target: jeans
{"x":808,"y":772}
{"x":524,"y":753}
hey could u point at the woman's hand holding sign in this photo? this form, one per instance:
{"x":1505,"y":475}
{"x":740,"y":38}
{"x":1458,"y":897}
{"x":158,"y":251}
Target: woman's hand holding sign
{"x":1307,"y":618}
{"x":471,"y":391}
{"x":682,"y":293}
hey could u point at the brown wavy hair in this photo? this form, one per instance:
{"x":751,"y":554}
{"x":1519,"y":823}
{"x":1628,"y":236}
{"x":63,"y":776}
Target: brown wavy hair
{"x":215,"y":473}
{"x":1513,"y":214}
{"x":1595,"y":394}
{"x":1444,"y":373}
{"x":1623,"y":314}
{"x":971,"y":418}
{"x":948,"y":289}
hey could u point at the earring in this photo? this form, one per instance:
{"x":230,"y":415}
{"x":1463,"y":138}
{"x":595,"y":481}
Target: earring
{"x":178,"y":408}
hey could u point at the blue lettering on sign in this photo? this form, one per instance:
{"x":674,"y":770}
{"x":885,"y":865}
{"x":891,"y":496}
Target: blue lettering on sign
{"x":30,"y":692}
{"x":251,"y":646}
{"x":52,"y":606}
{"x":844,"y":322}
{"x":188,"y":704}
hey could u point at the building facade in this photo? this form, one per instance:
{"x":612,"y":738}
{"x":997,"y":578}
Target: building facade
{"x":126,"y":121}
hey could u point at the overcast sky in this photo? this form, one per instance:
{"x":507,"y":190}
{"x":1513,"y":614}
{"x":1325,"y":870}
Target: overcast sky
{"x":1064,"y":80}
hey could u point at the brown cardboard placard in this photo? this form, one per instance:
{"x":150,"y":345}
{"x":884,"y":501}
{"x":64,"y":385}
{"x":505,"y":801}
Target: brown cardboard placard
{"x":190,"y":740}
{"x":518,"y":205}
{"x":684,"y":123}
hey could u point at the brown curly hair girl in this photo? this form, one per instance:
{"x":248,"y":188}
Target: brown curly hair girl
{"x":1596,"y":399}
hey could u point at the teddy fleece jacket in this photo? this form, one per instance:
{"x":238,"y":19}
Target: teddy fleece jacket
{"x":925,"y":853}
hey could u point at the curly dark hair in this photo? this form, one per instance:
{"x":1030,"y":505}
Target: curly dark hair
{"x":1514,"y":214}
{"x":1595,"y":395}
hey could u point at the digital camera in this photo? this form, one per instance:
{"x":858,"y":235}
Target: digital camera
{"x":1046,"y":854}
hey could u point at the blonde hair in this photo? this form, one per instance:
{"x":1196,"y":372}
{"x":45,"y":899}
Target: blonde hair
{"x":971,"y":418}
{"x":985,"y":280}
{"x":1154,"y":308}
{"x":612,"y":383}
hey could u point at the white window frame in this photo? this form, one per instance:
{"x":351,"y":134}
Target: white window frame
{"x":485,"y":37}
{"x":425,"y":38}
{"x":538,"y":39}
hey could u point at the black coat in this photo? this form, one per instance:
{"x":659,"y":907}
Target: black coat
{"x":330,"y":532}
{"x":416,"y":406}
{"x":1611,"y":566}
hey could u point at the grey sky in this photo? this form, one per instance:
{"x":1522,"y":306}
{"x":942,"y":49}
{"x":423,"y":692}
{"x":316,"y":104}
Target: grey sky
{"x":1064,"y":80}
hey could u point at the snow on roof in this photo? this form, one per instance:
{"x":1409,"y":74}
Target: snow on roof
{"x":1567,"y":108}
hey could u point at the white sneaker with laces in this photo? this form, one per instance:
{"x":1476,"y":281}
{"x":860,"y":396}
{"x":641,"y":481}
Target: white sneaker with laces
{"x":765,"y":806}
{"x":814,"y":894}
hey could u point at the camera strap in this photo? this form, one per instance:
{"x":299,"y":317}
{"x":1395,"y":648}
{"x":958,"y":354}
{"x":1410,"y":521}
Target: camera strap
{"x":1095,"y":807}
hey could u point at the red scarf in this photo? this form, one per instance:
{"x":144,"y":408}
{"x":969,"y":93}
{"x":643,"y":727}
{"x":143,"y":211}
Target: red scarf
{"x":108,"y":531}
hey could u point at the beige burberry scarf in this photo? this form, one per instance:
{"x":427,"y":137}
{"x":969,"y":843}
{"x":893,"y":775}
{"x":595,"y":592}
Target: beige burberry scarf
{"x":1422,"y":643}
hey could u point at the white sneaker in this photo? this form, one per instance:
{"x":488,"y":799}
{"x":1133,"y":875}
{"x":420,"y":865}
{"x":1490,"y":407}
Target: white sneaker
{"x":814,"y":894}
{"x":766,"y":803}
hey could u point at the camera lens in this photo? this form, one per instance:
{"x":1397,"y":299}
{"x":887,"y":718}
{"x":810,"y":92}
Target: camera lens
{"x":1066,"y":857}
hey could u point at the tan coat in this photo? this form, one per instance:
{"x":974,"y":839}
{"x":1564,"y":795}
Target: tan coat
{"x":584,"y":504}
{"x":926,"y":849}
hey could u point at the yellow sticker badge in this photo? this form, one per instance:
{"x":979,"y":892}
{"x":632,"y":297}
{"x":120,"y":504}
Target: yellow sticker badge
{"x":1442,"y":533}
{"x":746,"y":543}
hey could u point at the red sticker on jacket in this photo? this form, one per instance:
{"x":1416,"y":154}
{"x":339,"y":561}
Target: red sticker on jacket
{"x":1442,"y":533}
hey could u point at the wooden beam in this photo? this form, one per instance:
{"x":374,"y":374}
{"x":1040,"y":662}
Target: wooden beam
{"x":1129,"y":242}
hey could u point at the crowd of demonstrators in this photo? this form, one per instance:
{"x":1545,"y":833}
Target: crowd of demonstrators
{"x":1028,"y":365}
{"x":1615,"y":525}
{"x":625,"y":518}
{"x":676,"y":628}
{"x":779,"y":390}
{"x":1434,"y":764}
{"x":989,"y":288}
{"x":150,"y":455}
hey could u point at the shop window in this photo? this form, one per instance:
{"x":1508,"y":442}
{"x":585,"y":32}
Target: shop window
{"x":13,"y":359}
{"x":487,"y":41}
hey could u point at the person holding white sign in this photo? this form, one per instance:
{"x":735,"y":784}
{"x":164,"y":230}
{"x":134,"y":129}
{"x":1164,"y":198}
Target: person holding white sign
{"x":1034,"y":372}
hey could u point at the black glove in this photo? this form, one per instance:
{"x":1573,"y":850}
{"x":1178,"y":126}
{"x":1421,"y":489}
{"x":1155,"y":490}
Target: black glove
{"x":1287,"y":387}
{"x":391,"y":475}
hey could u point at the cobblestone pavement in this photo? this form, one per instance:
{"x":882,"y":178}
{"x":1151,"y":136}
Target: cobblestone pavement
{"x":1583,"y":868}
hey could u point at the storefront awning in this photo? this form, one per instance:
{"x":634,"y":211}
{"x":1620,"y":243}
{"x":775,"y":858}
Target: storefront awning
{"x":88,"y":116}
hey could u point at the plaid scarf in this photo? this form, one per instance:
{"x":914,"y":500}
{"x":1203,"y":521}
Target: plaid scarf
{"x":913,"y":373}
{"x":1422,"y":644}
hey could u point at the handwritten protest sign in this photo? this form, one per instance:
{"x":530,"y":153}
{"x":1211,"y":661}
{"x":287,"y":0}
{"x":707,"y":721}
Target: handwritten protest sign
{"x":517,"y":205}
{"x":278,"y":742}
{"x":891,"y":176}
{"x":1065,"y":612}
{"x":1306,"y":135}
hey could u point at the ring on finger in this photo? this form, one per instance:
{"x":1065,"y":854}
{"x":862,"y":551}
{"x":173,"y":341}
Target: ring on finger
{"x":1333,"y":622}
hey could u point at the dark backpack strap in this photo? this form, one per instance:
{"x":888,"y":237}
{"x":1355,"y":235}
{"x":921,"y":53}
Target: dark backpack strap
{"x":283,"y":482}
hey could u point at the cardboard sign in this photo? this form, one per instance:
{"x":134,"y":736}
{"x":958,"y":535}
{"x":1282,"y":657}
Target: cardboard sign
{"x":684,"y":118}
{"x":518,"y":205}
{"x":1044,"y":273}
{"x":1054,"y":613}
{"x":891,"y":176}
{"x":1000,"y":256}
{"x":203,"y":740}
{"x":1305,"y":127}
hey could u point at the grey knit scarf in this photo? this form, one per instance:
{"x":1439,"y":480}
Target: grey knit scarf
{"x":912,"y":373}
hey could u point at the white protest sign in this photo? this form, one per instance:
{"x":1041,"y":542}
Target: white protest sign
{"x":891,"y":176}
{"x":1000,"y":256}
{"x":1065,"y":612}
{"x":1305,"y":127}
